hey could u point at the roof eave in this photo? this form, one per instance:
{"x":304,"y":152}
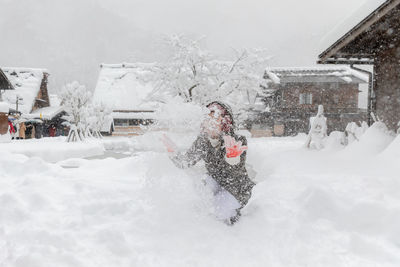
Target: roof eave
{"x":9,"y":85}
{"x":356,"y":31}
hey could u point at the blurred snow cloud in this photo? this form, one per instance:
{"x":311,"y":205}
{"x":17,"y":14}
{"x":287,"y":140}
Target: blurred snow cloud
{"x":72,"y":37}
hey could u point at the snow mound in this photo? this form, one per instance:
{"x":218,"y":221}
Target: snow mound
{"x":54,"y":149}
{"x":335,"y":141}
{"x":375,"y":139}
{"x":309,"y":208}
{"x":393,"y":150}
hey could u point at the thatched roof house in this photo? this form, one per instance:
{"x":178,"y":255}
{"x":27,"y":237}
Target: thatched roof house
{"x":125,"y":89}
{"x":30,"y":89}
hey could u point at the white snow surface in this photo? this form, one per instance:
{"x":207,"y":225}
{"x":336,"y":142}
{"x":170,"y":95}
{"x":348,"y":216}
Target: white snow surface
{"x":26,"y":82}
{"x":309,"y":208}
{"x":124,"y":86}
{"x":53,"y":149}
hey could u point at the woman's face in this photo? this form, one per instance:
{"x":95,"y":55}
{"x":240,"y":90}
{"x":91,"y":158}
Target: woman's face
{"x":212,"y":124}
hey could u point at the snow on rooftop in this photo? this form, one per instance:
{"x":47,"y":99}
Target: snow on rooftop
{"x":55,"y":100}
{"x":346,"y":73}
{"x":125,"y":86}
{"x":46,"y":113}
{"x":350,"y":22}
{"x":4,"y":107}
{"x":26,"y":82}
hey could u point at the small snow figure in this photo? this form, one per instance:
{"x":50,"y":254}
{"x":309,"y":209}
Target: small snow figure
{"x":224,"y":154}
{"x":318,"y":130}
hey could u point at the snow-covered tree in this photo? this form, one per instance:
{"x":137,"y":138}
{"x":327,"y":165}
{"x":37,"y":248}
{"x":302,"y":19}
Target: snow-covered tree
{"x":100,"y":115}
{"x":76,"y":100}
{"x":198,"y":76}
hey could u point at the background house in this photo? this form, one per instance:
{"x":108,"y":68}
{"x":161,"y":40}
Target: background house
{"x":4,"y":107}
{"x":374,"y":40}
{"x":30,"y":89}
{"x":124,"y":88}
{"x":52,"y":121}
{"x":5,"y":84}
{"x":292,"y":95}
{"x":30,"y":94}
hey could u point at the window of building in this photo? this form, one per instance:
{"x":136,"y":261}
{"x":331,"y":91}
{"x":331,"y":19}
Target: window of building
{"x":132,"y":122}
{"x":121,"y":122}
{"x":305,"y":99}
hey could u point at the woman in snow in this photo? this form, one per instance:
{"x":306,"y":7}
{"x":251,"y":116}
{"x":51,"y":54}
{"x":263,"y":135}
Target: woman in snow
{"x":224,"y":154}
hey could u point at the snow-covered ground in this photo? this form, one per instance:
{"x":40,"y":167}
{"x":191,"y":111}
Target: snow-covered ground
{"x":337,"y":207}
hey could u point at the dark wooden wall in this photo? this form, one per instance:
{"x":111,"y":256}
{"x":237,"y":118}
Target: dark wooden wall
{"x":340,"y":101}
{"x":43,"y":94}
{"x":335,"y":97}
{"x":387,"y":87}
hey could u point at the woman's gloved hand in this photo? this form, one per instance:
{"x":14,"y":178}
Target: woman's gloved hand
{"x":233,"y":149}
{"x":168,"y":143}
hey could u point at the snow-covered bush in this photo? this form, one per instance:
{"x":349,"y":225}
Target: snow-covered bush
{"x":76,"y":99}
{"x":374,"y":140}
{"x":336,"y":140}
{"x":354,"y":132}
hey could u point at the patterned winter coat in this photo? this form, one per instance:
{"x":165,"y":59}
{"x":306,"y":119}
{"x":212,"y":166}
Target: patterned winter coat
{"x":231,"y":176}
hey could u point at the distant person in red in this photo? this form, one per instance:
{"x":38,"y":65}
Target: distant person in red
{"x":52,"y":131}
{"x":12,"y":129}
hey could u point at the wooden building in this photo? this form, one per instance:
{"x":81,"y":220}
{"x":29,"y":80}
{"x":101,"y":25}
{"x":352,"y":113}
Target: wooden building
{"x":30,"y":93}
{"x":5,"y":84}
{"x":52,"y":121}
{"x":124,"y":88}
{"x":4,"y":107}
{"x":374,"y":40}
{"x":292,"y":96}
{"x":30,"y":89}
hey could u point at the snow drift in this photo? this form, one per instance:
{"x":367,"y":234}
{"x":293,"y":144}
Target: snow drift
{"x":309,"y":208}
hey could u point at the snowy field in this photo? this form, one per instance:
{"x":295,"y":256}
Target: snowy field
{"x":336,"y":207}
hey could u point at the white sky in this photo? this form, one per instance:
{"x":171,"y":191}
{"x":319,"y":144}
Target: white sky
{"x":72,"y":37}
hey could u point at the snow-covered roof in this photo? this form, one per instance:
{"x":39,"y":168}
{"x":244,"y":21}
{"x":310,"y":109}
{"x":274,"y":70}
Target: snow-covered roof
{"x":46,"y":113}
{"x":341,"y":74}
{"x":55,"y":100}
{"x":4,"y":107}
{"x":26,"y":82}
{"x":125,"y":86}
{"x":4,"y":82}
{"x":344,"y":26}
{"x":336,"y":45}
